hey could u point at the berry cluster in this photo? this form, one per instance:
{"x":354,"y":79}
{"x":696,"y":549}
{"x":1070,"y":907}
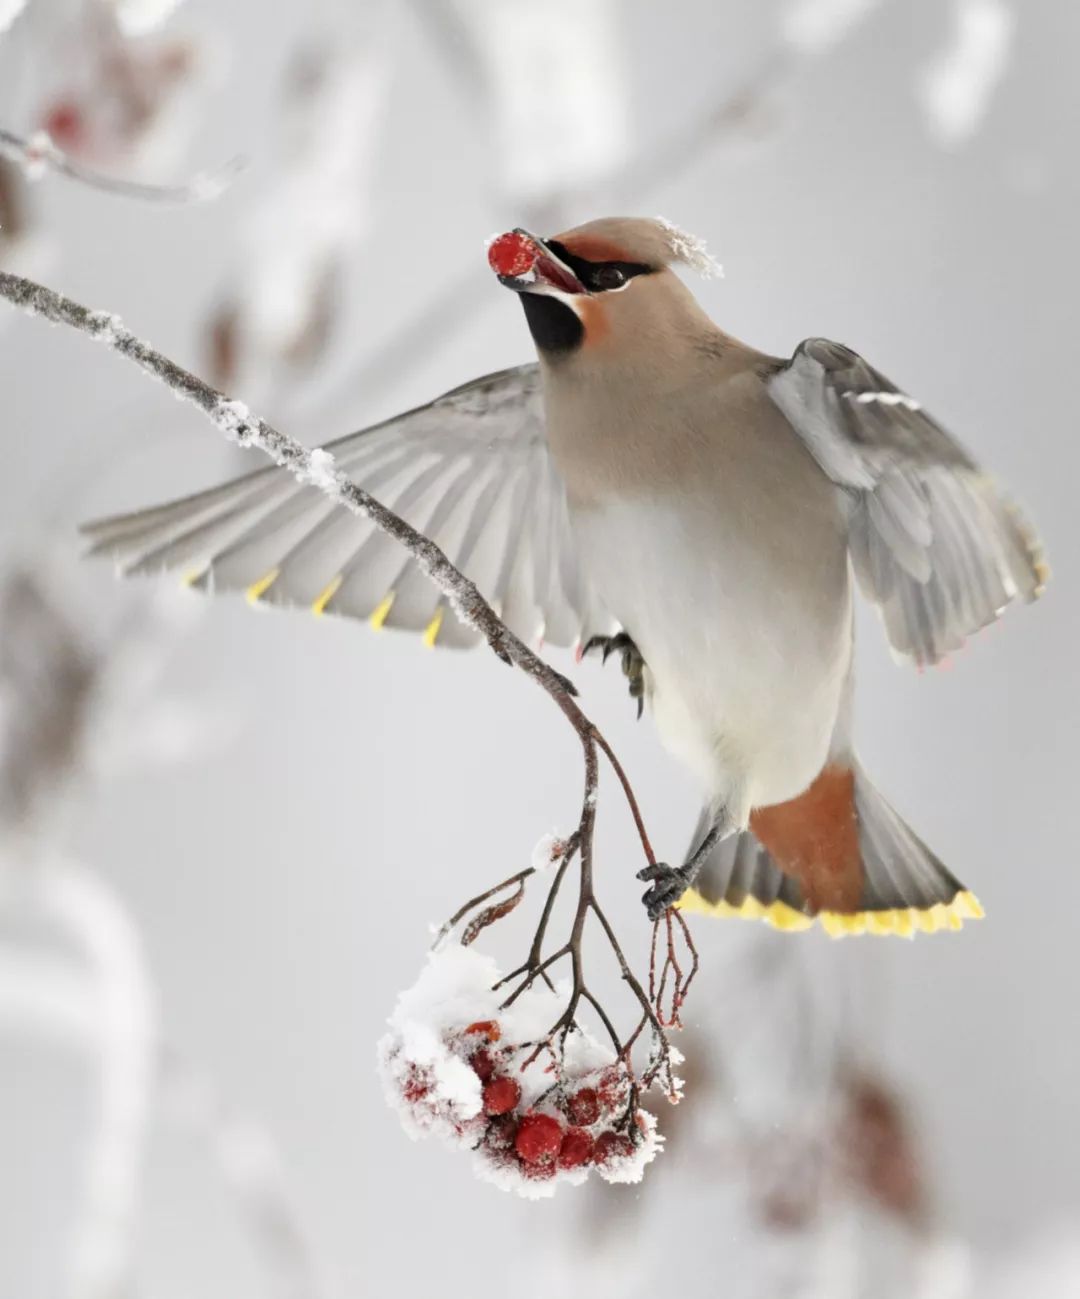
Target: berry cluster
{"x":578,"y":1122}
{"x":537,"y":1110}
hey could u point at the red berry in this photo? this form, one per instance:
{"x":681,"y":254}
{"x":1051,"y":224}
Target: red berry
{"x":501,"y":1095}
{"x":482,"y":1064}
{"x":612,"y":1146}
{"x":538,"y":1139}
{"x":488,"y":1027}
{"x":64,"y":124}
{"x":584,"y":1107}
{"x":512,"y":254}
{"x":611,"y":1089}
{"x":576,"y":1149}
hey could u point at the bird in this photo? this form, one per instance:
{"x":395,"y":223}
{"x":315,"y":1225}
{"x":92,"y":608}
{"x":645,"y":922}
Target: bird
{"x":654,"y":487}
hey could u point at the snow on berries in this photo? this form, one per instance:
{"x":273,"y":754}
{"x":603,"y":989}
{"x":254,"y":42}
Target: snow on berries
{"x":457,"y":1066}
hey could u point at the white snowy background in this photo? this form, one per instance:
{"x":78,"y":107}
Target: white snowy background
{"x":285,"y":804}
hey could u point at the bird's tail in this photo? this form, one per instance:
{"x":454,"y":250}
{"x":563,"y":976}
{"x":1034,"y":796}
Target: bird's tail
{"x":837,"y":854}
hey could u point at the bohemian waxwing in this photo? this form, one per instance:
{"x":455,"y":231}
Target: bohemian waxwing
{"x":657,"y":487}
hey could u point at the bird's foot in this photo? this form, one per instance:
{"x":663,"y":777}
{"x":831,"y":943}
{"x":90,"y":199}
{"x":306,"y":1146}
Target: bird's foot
{"x":633,"y":665}
{"x":669,"y":883}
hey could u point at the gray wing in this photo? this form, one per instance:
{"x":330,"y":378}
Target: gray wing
{"x":933,"y":544}
{"x":471,"y":471}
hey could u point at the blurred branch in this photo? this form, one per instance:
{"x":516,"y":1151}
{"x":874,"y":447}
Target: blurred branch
{"x":125,"y":1028}
{"x":110,"y":1003}
{"x":38,"y":153}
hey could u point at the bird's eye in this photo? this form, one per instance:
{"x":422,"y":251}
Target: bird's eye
{"x":608,"y":277}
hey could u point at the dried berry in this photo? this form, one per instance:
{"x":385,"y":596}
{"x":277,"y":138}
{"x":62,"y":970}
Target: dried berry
{"x":512,"y":254}
{"x":576,"y":1148}
{"x":538,"y":1139}
{"x":584,"y":1107}
{"x":501,"y":1095}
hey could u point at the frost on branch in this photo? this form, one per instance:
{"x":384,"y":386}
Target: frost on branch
{"x":459,"y":1065}
{"x":549,"y":849}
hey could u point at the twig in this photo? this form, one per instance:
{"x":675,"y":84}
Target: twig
{"x":478,"y":901}
{"x":39,"y":151}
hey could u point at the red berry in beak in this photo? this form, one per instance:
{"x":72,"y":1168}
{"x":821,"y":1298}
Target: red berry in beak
{"x":512,"y":254}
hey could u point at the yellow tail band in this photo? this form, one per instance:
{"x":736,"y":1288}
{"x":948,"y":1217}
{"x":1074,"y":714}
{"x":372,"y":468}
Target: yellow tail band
{"x":905,"y":921}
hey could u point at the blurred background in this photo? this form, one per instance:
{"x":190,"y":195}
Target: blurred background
{"x":225,"y":833}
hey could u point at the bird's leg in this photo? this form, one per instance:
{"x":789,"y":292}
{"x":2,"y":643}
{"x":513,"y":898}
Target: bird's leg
{"x":633,"y":665}
{"x":669,"y":883}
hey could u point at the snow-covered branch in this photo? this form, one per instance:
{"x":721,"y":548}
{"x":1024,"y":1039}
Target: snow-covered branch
{"x":39,"y":153}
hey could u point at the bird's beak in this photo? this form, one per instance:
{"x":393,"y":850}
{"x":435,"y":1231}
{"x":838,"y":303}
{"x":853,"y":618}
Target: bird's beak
{"x":524,"y":262}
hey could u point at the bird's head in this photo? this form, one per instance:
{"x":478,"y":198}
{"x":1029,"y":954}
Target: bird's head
{"x":604,"y":289}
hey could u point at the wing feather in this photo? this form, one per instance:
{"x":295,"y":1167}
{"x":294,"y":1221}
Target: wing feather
{"x":471,"y":470}
{"x":932,"y":542}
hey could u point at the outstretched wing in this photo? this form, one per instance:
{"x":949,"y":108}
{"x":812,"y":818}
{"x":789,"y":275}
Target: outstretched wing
{"x":933,"y":544}
{"x":471,"y":471}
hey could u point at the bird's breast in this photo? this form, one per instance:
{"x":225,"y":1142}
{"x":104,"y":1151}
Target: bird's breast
{"x":735,"y":588}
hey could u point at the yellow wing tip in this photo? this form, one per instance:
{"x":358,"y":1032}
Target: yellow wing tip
{"x":382,"y":611}
{"x":318,"y":605}
{"x":431,"y":631}
{"x":903,"y":921}
{"x":257,"y":590}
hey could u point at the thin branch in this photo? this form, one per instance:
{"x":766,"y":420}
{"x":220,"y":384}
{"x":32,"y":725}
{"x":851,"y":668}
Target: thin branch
{"x":478,"y":901}
{"x":38,"y":152}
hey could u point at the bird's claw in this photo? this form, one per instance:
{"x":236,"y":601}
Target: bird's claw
{"x":669,"y":883}
{"x":633,"y":665}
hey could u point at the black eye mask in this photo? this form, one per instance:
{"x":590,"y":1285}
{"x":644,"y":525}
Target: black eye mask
{"x":598,"y":276}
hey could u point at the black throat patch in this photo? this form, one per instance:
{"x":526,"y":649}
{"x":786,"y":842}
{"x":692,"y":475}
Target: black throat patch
{"x":554,"y":326}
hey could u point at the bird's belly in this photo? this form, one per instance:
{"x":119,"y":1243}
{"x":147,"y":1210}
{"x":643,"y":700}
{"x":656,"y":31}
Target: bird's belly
{"x":747,"y":642}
